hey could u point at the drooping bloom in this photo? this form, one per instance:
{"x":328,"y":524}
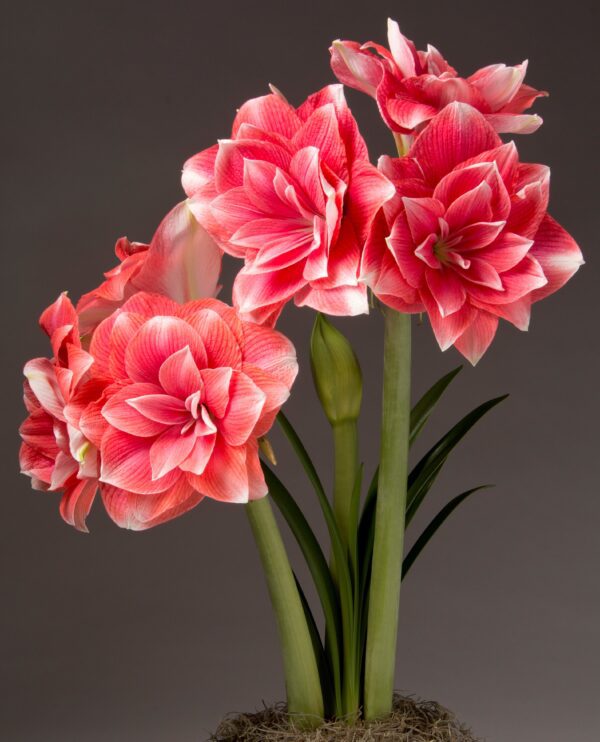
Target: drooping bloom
{"x":189,"y":389}
{"x":294,"y":194}
{"x":412,"y":86}
{"x":55,"y":453}
{"x":467,"y":237}
{"x":181,"y":262}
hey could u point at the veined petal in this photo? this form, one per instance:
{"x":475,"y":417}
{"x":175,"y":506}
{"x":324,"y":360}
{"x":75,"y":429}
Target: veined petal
{"x":225,"y":477}
{"x":477,"y":337}
{"x":558,"y":254}
{"x":161,"y":408}
{"x":77,"y":502}
{"x":216,"y":389}
{"x":179,"y":375}
{"x":119,"y":411}
{"x":446,"y":289}
{"x":169,"y":450}
{"x":246,"y":402}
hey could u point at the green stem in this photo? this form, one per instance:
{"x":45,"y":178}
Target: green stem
{"x":303,"y":685}
{"x":345,"y":443}
{"x":389,"y":518}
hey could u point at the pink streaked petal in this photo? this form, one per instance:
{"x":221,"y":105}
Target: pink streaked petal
{"x":216,"y":390}
{"x":161,"y":408}
{"x":279,"y":242}
{"x":36,"y":464}
{"x":354,"y":67}
{"x":517,"y":312}
{"x":169,"y":450}
{"x":476,"y":236}
{"x":306,"y":170}
{"x":225,"y":477}
{"x":271,"y":351}
{"x":401,"y":50}
{"x":126,"y":464}
{"x":477,"y":337}
{"x":506,"y":251}
{"x":125,"y":326}
{"x":179,"y":374}
{"x":150,"y":305}
{"x":529,"y":207}
{"x":423,"y":215}
{"x":251,"y":292}
{"x":246,"y":402}
{"x":369,"y":190}
{"x":221,"y":345}
{"x":259,"y":185}
{"x":321,"y":130}
{"x":122,"y":415}
{"x":77,"y":502}
{"x":447,"y":329}
{"x":41,"y":375}
{"x":498,"y":84}
{"x":140,"y":512}
{"x":457,"y":133}
{"x":200,"y":454}
{"x":473,"y":206}
{"x":446,"y":289}
{"x":199,"y":170}
{"x":505,"y":157}
{"x":270,"y":113}
{"x":158,"y":339}
{"x":344,"y":301}
{"x":233,"y":154}
{"x":65,"y":467}
{"x":557,"y":253}
{"x":408,"y":113}
{"x":402,"y":248}
{"x":525,"y":277}
{"x":183,"y":261}
{"x":509,"y":123}
{"x":59,"y":314}
{"x":257,"y":486}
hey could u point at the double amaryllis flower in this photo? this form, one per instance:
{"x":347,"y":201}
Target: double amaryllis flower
{"x":467,"y":238}
{"x":412,"y":86}
{"x":292,"y":193}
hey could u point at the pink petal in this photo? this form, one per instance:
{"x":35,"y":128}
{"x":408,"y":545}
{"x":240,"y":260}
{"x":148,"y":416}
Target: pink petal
{"x":473,"y":206}
{"x":401,"y":51}
{"x":408,"y":113}
{"x":498,"y":83}
{"x":369,"y":190}
{"x":356,"y":68}
{"x":476,"y":339}
{"x":222,"y":347}
{"x":169,"y":450}
{"x":321,"y":130}
{"x":510,"y":123}
{"x":150,"y":305}
{"x":139,"y":512}
{"x":423,"y":217}
{"x":183,"y":261}
{"x":216,"y":390}
{"x":344,"y":301}
{"x":58,"y":315}
{"x":557,"y":253}
{"x":124,"y":328}
{"x":446,"y":289}
{"x":457,"y":133}
{"x":157,"y":340}
{"x":65,"y":467}
{"x":257,"y":486}
{"x":41,"y":375}
{"x":179,"y":375}
{"x":161,"y":408}
{"x":232,"y":155}
{"x":126,"y":464}
{"x":226,"y":475}
{"x":506,"y":251}
{"x":271,"y":351}
{"x":251,"y":292}
{"x":199,"y":170}
{"x":119,"y":412}
{"x":246,"y":402}
{"x":447,"y":329}
{"x":529,"y":205}
{"x":269,"y":112}
{"x":77,"y":502}
{"x":200,"y":455}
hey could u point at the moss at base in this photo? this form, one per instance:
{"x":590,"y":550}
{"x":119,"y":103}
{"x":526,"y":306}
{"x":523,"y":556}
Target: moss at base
{"x":411,"y":721}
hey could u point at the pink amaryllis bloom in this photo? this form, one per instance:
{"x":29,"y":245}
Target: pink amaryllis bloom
{"x":189,"y":390}
{"x":55,"y":453}
{"x":467,"y":237}
{"x":292,"y":193}
{"x":182,"y":262}
{"x":411,"y":86}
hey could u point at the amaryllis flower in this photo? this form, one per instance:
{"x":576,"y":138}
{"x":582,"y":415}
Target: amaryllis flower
{"x":55,"y":453}
{"x":190,"y":389}
{"x":411,"y":86}
{"x":293,"y":193}
{"x":181,"y":262}
{"x":467,"y":237}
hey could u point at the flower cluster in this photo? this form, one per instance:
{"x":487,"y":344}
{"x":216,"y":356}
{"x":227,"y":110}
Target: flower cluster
{"x":157,"y":393}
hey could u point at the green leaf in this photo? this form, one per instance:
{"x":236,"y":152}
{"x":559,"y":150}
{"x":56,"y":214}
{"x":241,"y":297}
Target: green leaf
{"x":422,"y":410}
{"x":426,"y":471}
{"x":353,"y":526}
{"x":322,"y":663}
{"x":439,"y":519}
{"x":317,"y":565}
{"x":338,"y":550}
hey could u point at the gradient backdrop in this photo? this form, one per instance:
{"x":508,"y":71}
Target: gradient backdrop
{"x":152,"y":637}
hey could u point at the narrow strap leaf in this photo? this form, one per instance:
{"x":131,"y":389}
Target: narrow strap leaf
{"x":439,"y":519}
{"x":425,"y":472}
{"x":422,"y":410}
{"x":300,"y":452}
{"x":317,"y":565}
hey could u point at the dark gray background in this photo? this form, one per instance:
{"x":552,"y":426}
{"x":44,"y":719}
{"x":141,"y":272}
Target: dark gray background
{"x":118,"y":636}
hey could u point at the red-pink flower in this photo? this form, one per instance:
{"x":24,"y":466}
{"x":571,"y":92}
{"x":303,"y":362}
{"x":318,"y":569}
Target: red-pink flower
{"x":181,"y":262}
{"x":293,"y":193}
{"x":411,"y":86}
{"x":467,"y":237}
{"x":190,"y":389}
{"x":55,"y":453}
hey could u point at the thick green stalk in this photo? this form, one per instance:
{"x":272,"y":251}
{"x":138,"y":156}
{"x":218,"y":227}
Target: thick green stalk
{"x":345,"y":443}
{"x":303,"y":685}
{"x":388,"y":545}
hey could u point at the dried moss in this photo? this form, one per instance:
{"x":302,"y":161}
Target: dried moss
{"x":411,"y":721}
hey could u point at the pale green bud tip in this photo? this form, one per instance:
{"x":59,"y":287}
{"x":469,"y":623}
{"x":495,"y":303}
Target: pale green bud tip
{"x":336,"y":372}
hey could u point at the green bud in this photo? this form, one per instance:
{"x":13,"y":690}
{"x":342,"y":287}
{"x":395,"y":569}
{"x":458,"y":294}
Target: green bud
{"x":336,"y":372}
